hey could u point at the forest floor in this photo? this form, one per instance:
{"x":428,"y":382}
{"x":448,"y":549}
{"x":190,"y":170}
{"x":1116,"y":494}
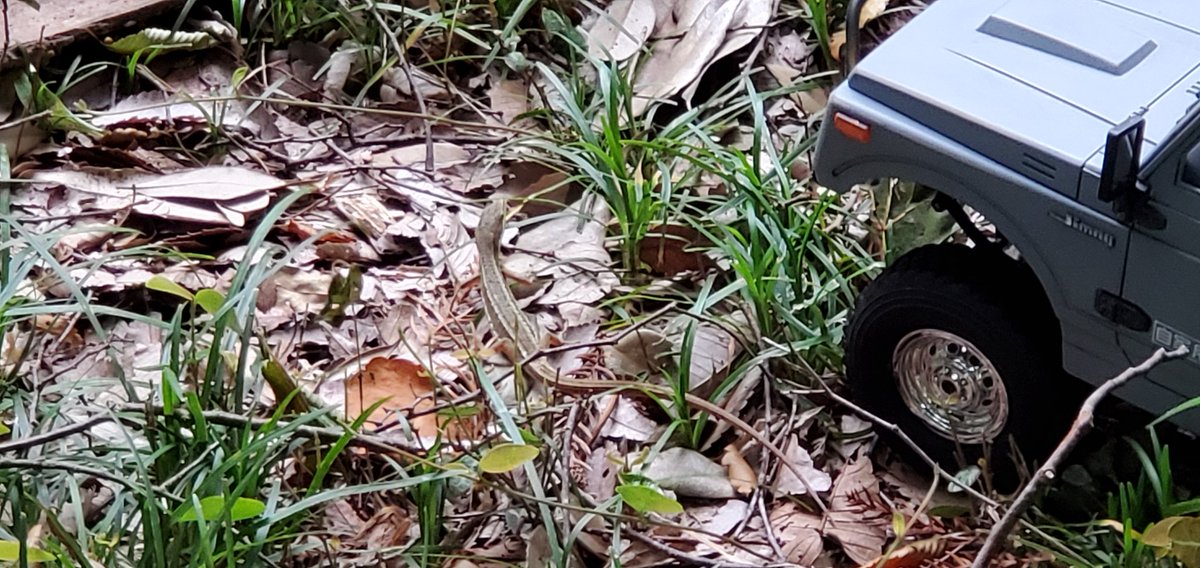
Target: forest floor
{"x":242,"y":312}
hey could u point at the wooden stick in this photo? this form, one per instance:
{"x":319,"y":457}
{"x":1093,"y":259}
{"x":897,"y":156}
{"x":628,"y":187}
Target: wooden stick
{"x":1045,"y":474}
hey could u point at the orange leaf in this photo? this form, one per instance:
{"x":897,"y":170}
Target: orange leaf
{"x":741,"y":475}
{"x":408,"y":390}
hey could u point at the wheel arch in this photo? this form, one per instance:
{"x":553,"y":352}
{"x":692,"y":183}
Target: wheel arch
{"x":960,"y":190}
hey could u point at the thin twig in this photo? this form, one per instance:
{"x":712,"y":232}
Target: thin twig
{"x":607,"y":341}
{"x":53,"y":435}
{"x":690,"y":559}
{"x":564,"y":472}
{"x":18,"y":463}
{"x":896,"y":431}
{"x":406,"y":66}
{"x":1046,"y":474}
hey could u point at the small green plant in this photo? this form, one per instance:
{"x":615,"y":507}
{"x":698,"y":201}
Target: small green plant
{"x":799,"y":276}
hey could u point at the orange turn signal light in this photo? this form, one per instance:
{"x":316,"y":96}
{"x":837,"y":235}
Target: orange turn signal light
{"x":852,"y":128}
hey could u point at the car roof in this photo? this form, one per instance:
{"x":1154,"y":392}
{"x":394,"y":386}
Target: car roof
{"x":1037,"y":84}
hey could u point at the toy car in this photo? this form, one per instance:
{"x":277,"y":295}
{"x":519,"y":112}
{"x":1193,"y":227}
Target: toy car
{"x":1073,"y":127}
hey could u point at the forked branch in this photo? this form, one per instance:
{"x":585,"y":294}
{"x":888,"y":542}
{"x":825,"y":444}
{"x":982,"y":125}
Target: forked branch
{"x":1045,"y":474}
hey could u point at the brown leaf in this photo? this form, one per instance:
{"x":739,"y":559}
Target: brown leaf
{"x":718,"y":519}
{"x":644,"y":351}
{"x":387,"y":529}
{"x":713,"y":349}
{"x":857,"y":517}
{"x":741,"y":475}
{"x":628,"y":422}
{"x":445,"y":155}
{"x":913,"y":555}
{"x":788,"y":484}
{"x":836,"y":41}
{"x":509,"y":99}
{"x":407,"y":388}
{"x":212,"y":195}
{"x":671,"y":249}
{"x":799,"y":533}
{"x":574,"y":256}
{"x":549,"y":186}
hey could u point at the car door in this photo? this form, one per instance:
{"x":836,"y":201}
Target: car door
{"x":1162,"y":275}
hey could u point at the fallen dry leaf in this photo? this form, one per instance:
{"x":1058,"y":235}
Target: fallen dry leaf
{"x":689,"y":474}
{"x":871,"y":9}
{"x":719,"y":519}
{"x":695,"y":34}
{"x":752,"y":17}
{"x":713,"y":348}
{"x":621,"y":31}
{"x":574,"y":257}
{"x":641,"y":352}
{"x":212,"y":195}
{"x":788,"y":484}
{"x":445,"y":155}
{"x":741,"y":475}
{"x":677,"y":61}
{"x":672,"y":249}
{"x":509,"y":98}
{"x":857,"y":517}
{"x":627,"y":421}
{"x":799,"y":533}
{"x":407,"y":388}
{"x":912,"y":555}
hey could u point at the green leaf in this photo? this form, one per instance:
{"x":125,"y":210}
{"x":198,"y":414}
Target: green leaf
{"x":1158,"y":534}
{"x":163,"y":40}
{"x":1181,"y":408}
{"x":211,"y":507}
{"x":507,"y":457}
{"x":209,"y":299}
{"x":161,"y":284}
{"x":343,"y":291}
{"x":10,"y":550}
{"x":556,"y":24}
{"x":37,"y":97}
{"x":529,"y":437}
{"x":1185,"y":541}
{"x":645,"y":499}
{"x":4,"y":429}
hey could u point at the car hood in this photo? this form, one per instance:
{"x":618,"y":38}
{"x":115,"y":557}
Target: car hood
{"x":1037,"y":84}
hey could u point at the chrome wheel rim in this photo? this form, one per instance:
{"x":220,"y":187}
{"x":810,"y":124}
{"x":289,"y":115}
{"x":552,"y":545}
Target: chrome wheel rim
{"x":948,"y":383}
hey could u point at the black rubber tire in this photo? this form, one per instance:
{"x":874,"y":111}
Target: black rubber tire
{"x":988,"y":299}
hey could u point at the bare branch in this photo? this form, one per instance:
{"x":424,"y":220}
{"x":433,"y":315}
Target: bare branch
{"x":1045,"y":474}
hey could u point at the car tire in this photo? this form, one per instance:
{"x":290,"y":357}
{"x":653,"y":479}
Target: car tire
{"x":953,"y":343}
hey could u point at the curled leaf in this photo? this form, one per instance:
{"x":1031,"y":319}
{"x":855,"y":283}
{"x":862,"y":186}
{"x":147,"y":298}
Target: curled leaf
{"x":741,"y":475}
{"x":162,"y":40}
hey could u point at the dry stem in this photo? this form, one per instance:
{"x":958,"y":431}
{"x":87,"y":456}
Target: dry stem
{"x":1045,"y":474}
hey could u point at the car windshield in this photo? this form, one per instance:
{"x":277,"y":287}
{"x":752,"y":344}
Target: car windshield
{"x":1154,"y":156}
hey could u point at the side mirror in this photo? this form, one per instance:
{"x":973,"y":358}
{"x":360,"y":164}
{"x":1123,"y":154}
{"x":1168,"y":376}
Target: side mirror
{"x":1122,"y":160}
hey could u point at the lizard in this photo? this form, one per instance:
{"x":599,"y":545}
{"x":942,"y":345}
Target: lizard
{"x":520,"y":340}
